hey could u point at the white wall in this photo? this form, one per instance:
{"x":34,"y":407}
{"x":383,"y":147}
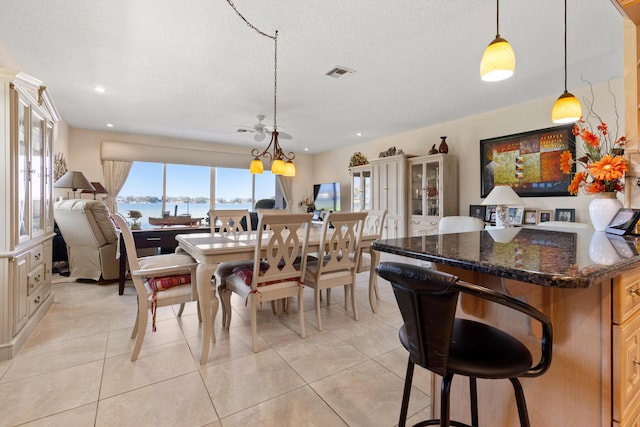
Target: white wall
{"x":463,"y":138}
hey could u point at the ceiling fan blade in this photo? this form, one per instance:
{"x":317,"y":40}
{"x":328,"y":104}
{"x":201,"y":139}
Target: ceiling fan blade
{"x":284,"y":135}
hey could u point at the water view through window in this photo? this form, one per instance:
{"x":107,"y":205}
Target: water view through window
{"x":188,"y":190}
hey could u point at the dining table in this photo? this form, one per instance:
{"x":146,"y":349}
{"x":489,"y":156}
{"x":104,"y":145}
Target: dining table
{"x":211,"y":249}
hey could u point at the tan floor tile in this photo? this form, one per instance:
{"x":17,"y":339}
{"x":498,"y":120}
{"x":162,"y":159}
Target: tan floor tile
{"x":300,"y":407}
{"x":264,"y":376}
{"x":320,"y":355}
{"x":167,"y":331}
{"x":153,"y":365}
{"x":370,"y":337}
{"x":37,"y":360}
{"x":365,"y":395}
{"x":396,"y":362}
{"x":180,"y":401}
{"x":77,"y":417}
{"x":36,"y":397}
{"x":4,"y":367}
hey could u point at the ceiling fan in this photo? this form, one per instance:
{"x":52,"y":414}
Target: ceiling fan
{"x":260,"y":130}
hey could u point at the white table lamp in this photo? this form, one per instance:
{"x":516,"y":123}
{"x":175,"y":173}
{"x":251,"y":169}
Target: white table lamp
{"x":502,"y":196}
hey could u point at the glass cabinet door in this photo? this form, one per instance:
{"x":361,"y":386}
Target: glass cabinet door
{"x":432,"y":185}
{"x":356,"y":187}
{"x":366,"y":189}
{"x":37,"y":171}
{"x":416,"y":189}
{"x":23,"y":170}
{"x":48,"y":175}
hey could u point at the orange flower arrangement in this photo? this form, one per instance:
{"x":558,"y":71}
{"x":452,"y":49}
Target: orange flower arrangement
{"x":603,"y":162}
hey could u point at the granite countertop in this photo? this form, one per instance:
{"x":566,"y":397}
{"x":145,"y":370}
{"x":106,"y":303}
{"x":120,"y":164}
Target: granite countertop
{"x":565,"y":258}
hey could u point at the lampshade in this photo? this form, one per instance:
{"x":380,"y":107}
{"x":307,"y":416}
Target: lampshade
{"x":498,"y":61}
{"x":503,"y":195}
{"x":256,"y":166}
{"x":277,"y":167}
{"x":99,"y":189}
{"x":74,"y":180}
{"x":567,"y":109}
{"x":289,"y":168}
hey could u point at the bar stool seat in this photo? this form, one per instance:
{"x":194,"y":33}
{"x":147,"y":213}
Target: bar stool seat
{"x":442,"y":343}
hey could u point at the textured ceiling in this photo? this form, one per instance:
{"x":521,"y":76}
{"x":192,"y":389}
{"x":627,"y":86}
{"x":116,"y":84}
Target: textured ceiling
{"x":192,"y":69}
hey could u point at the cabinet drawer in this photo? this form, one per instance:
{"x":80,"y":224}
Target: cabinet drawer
{"x":423,"y":226}
{"x":35,"y":299}
{"x":626,"y":367}
{"x":632,"y":419}
{"x":34,"y":279}
{"x":626,"y":295}
{"x":36,"y":256}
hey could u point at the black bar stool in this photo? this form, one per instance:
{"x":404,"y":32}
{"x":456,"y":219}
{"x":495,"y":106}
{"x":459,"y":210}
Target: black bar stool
{"x":448,"y":346}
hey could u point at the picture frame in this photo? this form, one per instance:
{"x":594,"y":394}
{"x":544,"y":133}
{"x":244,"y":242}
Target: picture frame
{"x":529,"y":162}
{"x":566,"y":215}
{"x":530,"y":216}
{"x":516,"y":215}
{"x":490,"y":215}
{"x":544,"y":216}
{"x":624,"y":222}
{"x":478,"y":211}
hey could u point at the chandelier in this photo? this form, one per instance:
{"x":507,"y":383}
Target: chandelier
{"x":281,"y":161}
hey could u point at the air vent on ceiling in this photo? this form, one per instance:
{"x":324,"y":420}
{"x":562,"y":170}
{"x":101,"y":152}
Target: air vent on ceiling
{"x":340,"y":72}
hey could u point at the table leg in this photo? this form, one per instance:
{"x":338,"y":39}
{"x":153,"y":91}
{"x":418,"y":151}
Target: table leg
{"x":208,"y":306}
{"x":373,"y":279}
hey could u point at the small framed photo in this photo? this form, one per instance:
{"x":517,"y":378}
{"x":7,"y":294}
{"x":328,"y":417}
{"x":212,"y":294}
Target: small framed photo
{"x":544,"y":216}
{"x":566,"y":215}
{"x":490,"y":214}
{"x":624,"y":222}
{"x":478,"y":211}
{"x":530,"y":216}
{"x":515,"y":216}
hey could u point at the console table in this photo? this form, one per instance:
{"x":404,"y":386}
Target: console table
{"x":163,"y":238}
{"x":587,"y":282}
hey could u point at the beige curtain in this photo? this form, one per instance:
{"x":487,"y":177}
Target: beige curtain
{"x":285,"y":184}
{"x":115,"y":174}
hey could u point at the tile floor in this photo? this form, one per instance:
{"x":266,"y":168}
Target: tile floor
{"x":75,"y":368}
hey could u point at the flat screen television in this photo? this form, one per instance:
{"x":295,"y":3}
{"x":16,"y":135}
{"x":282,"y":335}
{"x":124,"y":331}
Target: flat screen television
{"x":327,"y":196}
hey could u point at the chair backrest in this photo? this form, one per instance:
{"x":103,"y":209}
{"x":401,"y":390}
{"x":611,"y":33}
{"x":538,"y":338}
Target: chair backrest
{"x":229,"y":220}
{"x":85,"y":222}
{"x":129,"y":243}
{"x":374,"y":222}
{"x":285,"y":258}
{"x":342,"y":242}
{"x":427,"y":301}
{"x":459,"y":224}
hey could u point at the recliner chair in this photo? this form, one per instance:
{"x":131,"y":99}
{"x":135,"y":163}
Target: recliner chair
{"x":91,"y":238}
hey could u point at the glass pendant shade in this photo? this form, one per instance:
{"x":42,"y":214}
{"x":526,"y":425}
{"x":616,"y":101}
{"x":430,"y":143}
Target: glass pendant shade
{"x":277,"y":167}
{"x":289,"y":168}
{"x":498,"y":61}
{"x":256,"y":166}
{"x":567,"y":109}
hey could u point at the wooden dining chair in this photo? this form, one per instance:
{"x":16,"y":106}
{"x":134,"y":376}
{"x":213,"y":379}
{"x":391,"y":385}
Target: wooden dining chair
{"x":159,"y":280}
{"x":228,"y":221}
{"x":340,"y":253}
{"x":278,"y":267}
{"x":373,"y":224}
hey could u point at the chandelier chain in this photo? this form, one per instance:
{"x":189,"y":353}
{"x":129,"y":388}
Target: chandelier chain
{"x":249,"y":24}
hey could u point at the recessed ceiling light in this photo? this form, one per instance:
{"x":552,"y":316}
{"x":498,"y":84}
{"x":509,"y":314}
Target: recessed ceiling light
{"x":359,"y":134}
{"x":109,"y":125}
{"x":306,"y":148}
{"x":99,"y":89}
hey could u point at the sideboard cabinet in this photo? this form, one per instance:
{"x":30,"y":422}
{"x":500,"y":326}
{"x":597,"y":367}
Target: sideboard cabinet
{"x":27,"y":125}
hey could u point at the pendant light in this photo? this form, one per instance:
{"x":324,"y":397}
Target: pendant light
{"x":567,"y":108}
{"x":498,"y":61}
{"x":281,"y":162}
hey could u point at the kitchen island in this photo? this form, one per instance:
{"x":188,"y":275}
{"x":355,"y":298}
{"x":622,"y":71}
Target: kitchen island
{"x":587,"y":282}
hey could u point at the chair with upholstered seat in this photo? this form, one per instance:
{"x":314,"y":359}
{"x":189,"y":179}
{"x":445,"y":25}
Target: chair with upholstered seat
{"x":340,"y":250}
{"x":159,"y":280}
{"x":373,"y":224}
{"x":459,"y":224}
{"x":442,"y":343}
{"x":277,"y":272}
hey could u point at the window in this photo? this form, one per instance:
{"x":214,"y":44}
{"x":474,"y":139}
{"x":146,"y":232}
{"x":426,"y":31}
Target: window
{"x":187,"y":190}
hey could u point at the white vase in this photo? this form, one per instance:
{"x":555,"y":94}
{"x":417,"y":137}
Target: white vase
{"x":602,"y":209}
